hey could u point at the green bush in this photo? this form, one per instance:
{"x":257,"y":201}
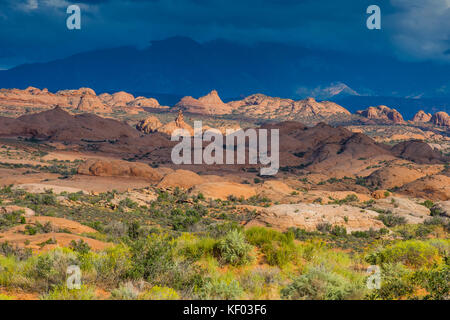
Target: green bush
{"x":234,"y":249}
{"x":414,"y":253}
{"x":319,"y":284}
{"x":126,"y":291}
{"x":153,"y":258}
{"x":61,"y":292}
{"x":159,"y":293}
{"x":220,"y":289}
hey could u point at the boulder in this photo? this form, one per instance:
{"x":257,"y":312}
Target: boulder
{"x":119,"y":168}
{"x":184,"y":179}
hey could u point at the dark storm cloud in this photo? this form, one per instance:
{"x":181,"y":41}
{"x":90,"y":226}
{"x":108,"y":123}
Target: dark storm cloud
{"x":35,"y":30}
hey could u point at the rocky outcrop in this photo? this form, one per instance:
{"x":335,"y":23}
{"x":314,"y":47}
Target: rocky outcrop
{"x":83,"y":99}
{"x":419,"y":152}
{"x":178,"y":123}
{"x":421,"y":116}
{"x":382,"y":113}
{"x":412,"y":211}
{"x":442,"y":208}
{"x":310,"y":216}
{"x":209,"y":104}
{"x":118,"y":168}
{"x":436,"y":187}
{"x":441,"y":119}
{"x":184,"y":179}
{"x":27,"y":212}
{"x":260,"y":105}
{"x":223,"y":190}
{"x":149,"y":125}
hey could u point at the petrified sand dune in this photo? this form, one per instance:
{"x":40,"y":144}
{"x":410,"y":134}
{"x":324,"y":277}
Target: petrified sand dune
{"x":83,"y":99}
{"x":391,"y":177}
{"x":222,"y":190}
{"x":181,"y":178}
{"x":209,"y":104}
{"x":421,"y":116}
{"x":441,"y":119}
{"x":418,"y":151}
{"x":412,"y":211}
{"x":118,"y":168}
{"x":436,"y":187}
{"x":382,"y":113}
{"x":309,"y":216}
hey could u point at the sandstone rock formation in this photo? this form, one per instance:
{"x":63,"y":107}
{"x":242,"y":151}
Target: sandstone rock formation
{"x":309,"y":216}
{"x":441,"y":119}
{"x":419,"y":152}
{"x":436,"y":187}
{"x":421,"y":116}
{"x":222,"y":190}
{"x":412,"y":211}
{"x":27,"y":212}
{"x":178,"y":123}
{"x":83,"y":99}
{"x":391,"y":177}
{"x":149,"y":125}
{"x":382,"y":113}
{"x":118,"y":168}
{"x":442,"y":208}
{"x":209,"y":104}
{"x":260,"y":105}
{"x":184,"y":179}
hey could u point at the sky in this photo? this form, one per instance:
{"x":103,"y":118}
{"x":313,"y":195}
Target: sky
{"x":411,"y":30}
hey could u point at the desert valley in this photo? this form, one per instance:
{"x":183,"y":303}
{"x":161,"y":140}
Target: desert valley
{"x":88,"y":179}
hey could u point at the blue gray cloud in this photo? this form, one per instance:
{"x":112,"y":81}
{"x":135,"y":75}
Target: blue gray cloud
{"x":35,"y":30}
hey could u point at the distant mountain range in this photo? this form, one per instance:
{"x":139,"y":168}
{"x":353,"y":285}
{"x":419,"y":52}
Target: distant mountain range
{"x":175,"y":67}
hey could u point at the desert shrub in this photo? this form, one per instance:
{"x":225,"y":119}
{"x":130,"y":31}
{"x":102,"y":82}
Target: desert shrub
{"x":116,"y":229}
{"x":222,"y":229}
{"x":279,"y":253}
{"x":134,"y":230}
{"x":436,"y":282}
{"x":339,"y":231}
{"x":324,"y":227}
{"x":80,"y":246}
{"x":125,"y":291}
{"x":200,"y":248}
{"x":391,"y":220}
{"x":113,"y":264}
{"x":128,"y":203}
{"x":19,"y":253}
{"x":159,"y":293}
{"x":278,"y":248}
{"x":41,"y":199}
{"x":428,"y":203}
{"x":49,"y":269}
{"x":153,"y":258}
{"x":257,"y":282}
{"x":13,"y":273}
{"x":259,"y":236}
{"x":395,"y":283}
{"x":75,"y":196}
{"x":220,"y":289}
{"x":234,"y":249}
{"x":61,"y":292}
{"x":413,"y":253}
{"x":320,"y":284}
